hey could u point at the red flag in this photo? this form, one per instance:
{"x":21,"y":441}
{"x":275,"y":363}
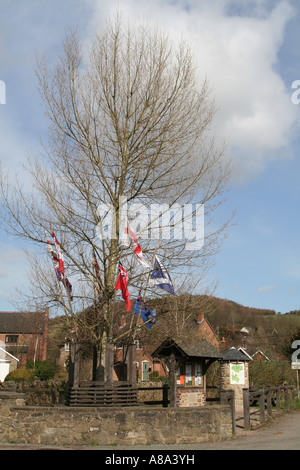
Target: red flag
{"x":130,"y":238}
{"x":121,"y":284}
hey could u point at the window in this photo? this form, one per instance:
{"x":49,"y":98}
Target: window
{"x":188,"y":375}
{"x":197,"y":374}
{"x":67,"y":347}
{"x":180,"y":375}
{"x":11,"y":339}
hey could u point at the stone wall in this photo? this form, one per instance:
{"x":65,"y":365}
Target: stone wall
{"x":61,"y":425}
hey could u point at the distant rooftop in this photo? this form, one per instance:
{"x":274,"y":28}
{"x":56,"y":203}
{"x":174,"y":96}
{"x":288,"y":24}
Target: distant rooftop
{"x":234,"y":354}
{"x":22,"y":322}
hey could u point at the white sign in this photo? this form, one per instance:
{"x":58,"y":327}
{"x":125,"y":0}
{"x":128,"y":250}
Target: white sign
{"x":296,"y":365}
{"x":237,"y":373}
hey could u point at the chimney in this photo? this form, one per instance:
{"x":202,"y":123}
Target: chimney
{"x":200,"y":318}
{"x":223,"y":342}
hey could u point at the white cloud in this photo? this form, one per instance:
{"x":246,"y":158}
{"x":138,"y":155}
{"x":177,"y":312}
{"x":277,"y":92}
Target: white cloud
{"x":236,"y":46}
{"x":266,"y":289}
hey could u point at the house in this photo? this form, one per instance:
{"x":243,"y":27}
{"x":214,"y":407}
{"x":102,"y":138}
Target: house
{"x":145,"y":363}
{"x":260,"y":356}
{"x":25,"y":335}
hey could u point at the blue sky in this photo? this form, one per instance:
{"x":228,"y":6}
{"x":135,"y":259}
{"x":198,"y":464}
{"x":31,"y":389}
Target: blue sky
{"x":249,"y":51}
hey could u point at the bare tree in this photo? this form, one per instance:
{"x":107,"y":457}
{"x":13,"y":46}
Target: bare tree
{"x":126,"y":122}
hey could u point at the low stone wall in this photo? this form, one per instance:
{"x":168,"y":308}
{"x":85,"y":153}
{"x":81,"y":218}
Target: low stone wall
{"x":61,"y":425}
{"x":149,"y":395}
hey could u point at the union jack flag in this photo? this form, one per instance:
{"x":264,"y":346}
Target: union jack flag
{"x":58,"y":264}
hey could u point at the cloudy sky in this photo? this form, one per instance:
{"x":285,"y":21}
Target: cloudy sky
{"x":249,"y":51}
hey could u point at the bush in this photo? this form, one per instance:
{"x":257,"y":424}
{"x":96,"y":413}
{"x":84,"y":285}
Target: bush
{"x":270,"y":373}
{"x":42,"y":370}
{"x":20,"y":375}
{"x":154,"y":376}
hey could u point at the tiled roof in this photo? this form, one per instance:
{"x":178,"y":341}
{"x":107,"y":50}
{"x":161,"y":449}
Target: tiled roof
{"x":197,"y":348}
{"x":22,"y":322}
{"x":234,"y":354}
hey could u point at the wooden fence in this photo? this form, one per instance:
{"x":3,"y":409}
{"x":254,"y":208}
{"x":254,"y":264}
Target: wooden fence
{"x":99,"y":394}
{"x":119,"y":394}
{"x":267,"y":398}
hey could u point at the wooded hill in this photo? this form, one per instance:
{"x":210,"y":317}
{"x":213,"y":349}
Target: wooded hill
{"x":254,"y":328}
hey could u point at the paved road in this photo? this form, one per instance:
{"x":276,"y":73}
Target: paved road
{"x":282,"y":433}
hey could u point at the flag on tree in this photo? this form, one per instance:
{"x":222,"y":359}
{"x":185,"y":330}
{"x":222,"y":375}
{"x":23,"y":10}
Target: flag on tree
{"x":59,"y":268}
{"x":145,"y":313}
{"x":130,"y":238}
{"x":160,"y":277}
{"x":121,"y":284}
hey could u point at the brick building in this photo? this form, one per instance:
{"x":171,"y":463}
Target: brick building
{"x":24,"y":335}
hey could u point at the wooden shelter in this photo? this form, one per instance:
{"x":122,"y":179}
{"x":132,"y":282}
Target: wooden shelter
{"x":188,"y":362}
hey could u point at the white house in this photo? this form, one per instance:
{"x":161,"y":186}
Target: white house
{"x":8,"y":362}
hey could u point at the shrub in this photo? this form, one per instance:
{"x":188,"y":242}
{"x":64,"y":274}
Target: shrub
{"x":154,"y":376}
{"x":20,"y":375}
{"x":42,"y":370}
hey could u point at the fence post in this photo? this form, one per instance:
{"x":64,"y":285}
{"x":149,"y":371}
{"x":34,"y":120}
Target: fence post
{"x":246,"y":409}
{"x":286,"y":399}
{"x":227,"y":397}
{"x":269,"y":401}
{"x":74,"y":364}
{"x":293,"y":395}
{"x":173,"y":383}
{"x":262,"y":406}
{"x":109,"y":364}
{"x":132,"y":364}
{"x":165,"y":395}
{"x":278,"y":397}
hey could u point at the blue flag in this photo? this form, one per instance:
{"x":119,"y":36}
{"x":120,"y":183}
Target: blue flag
{"x":145,"y":313}
{"x":160,"y":277}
